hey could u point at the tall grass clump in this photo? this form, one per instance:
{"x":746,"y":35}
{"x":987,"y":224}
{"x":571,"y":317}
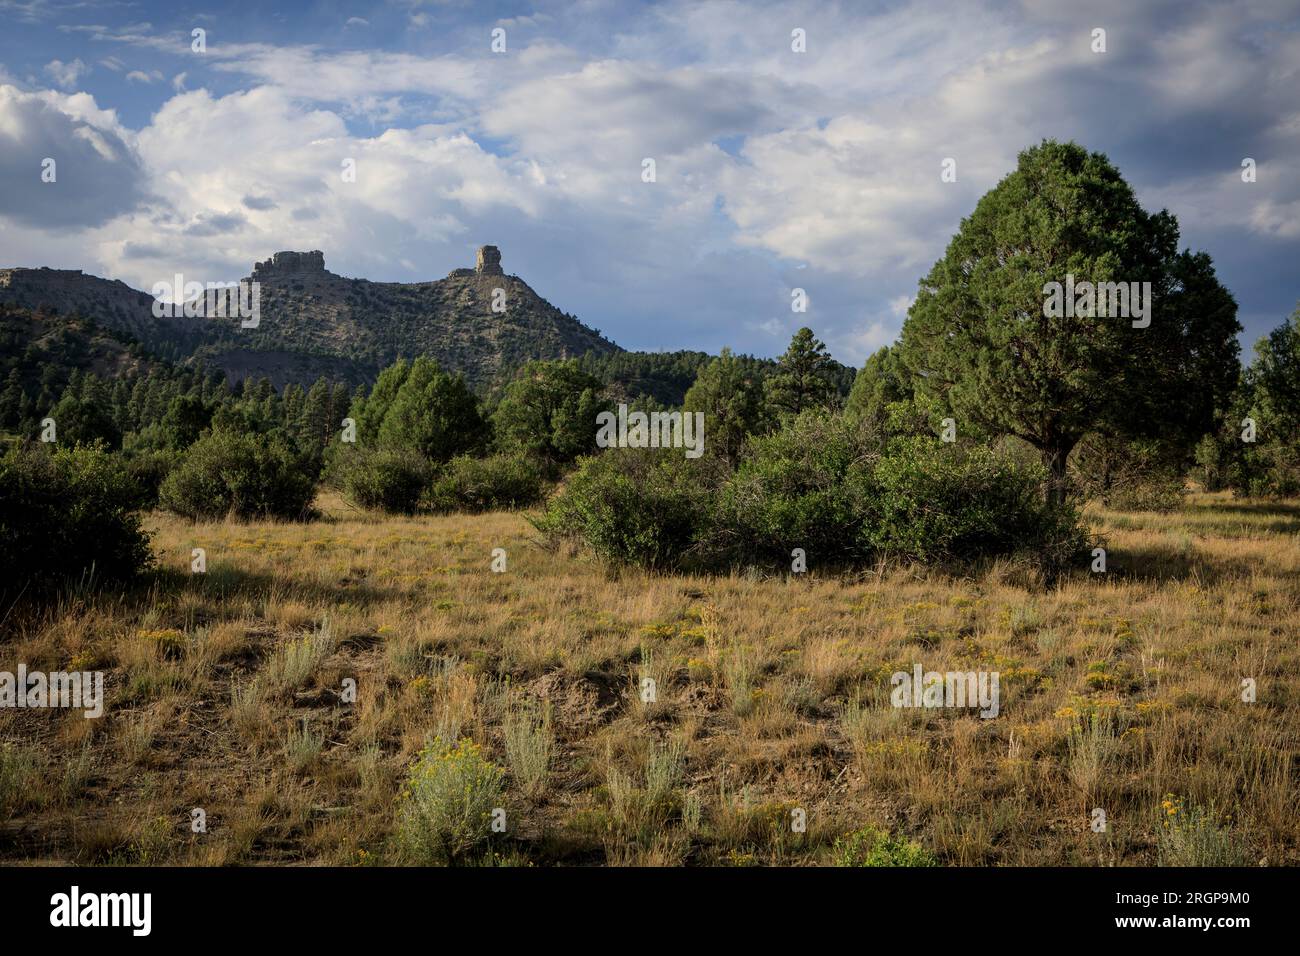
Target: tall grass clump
{"x":1195,"y":836}
{"x":447,"y":803}
{"x":302,"y":747}
{"x":530,"y":742}
{"x":1092,"y":743}
{"x":300,"y":657}
{"x":20,"y":774}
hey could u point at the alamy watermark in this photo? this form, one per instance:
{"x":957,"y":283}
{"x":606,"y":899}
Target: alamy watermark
{"x":968,"y":689}
{"x":75,"y":689}
{"x":212,"y":300}
{"x":1103,"y":300}
{"x":651,"y":430}
{"x":75,"y":908}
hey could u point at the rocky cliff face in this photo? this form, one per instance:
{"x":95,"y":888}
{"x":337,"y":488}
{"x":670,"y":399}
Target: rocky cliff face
{"x":110,"y":303}
{"x":284,"y":264}
{"x":480,"y":321}
{"x":71,"y":290}
{"x":489,"y":261}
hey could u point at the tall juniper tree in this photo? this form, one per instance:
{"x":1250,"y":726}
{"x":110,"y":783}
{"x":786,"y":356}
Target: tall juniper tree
{"x":980,"y":338}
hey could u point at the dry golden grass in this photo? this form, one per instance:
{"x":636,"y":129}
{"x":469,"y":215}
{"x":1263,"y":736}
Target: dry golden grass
{"x":227,"y":692}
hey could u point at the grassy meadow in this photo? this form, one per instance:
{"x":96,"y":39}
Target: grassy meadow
{"x":227,"y":691}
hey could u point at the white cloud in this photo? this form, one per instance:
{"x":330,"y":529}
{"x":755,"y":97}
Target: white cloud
{"x":311,"y":74}
{"x":97,"y":171}
{"x":66,"y":75}
{"x":774,"y":168}
{"x":276,"y":184}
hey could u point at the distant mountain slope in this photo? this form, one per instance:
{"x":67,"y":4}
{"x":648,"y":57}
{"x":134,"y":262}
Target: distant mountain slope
{"x":110,"y":303}
{"x":41,"y":353}
{"x":30,"y":340}
{"x":315,"y":323}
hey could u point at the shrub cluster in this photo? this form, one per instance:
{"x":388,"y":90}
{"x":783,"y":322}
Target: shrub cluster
{"x":872,"y":847}
{"x":634,"y":506}
{"x":65,"y":513}
{"x":935,"y":502}
{"x":398,"y":481}
{"x":1129,"y":475}
{"x":822,"y":483}
{"x":242,"y":475}
{"x":499,"y":481}
{"x":805,"y":485}
{"x":384,"y":479}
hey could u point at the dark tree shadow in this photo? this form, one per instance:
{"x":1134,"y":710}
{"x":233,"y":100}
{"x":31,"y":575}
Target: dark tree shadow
{"x":223,"y":581}
{"x":1160,"y":563}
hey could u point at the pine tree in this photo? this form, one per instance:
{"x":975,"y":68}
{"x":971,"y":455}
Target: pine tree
{"x":433,"y":413}
{"x":730,"y":394}
{"x":804,"y":376}
{"x":11,"y":400}
{"x":881,"y":381}
{"x":550,"y":410}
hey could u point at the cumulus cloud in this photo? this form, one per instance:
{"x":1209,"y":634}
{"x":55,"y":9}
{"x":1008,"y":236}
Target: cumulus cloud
{"x":66,"y":75}
{"x":96,"y":172}
{"x":613,"y":111}
{"x":277,"y":183}
{"x":774,"y":169}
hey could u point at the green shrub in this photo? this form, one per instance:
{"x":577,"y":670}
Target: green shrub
{"x":147,"y":470}
{"x":247,"y":476}
{"x":487,"y":484}
{"x":824,"y":483}
{"x":447,"y":803}
{"x":648,"y":507}
{"x":1271,"y":471}
{"x":872,"y":847}
{"x":81,"y":421}
{"x":802,"y":486}
{"x":65,"y":512}
{"x":1128,"y":475}
{"x":1163,"y":493}
{"x":385,"y":479}
{"x":937,"y":501}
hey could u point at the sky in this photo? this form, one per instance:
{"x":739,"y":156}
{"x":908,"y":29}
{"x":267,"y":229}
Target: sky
{"x":528,"y":126}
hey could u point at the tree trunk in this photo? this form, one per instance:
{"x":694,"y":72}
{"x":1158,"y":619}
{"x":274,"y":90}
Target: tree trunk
{"x":1054,"y":460}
